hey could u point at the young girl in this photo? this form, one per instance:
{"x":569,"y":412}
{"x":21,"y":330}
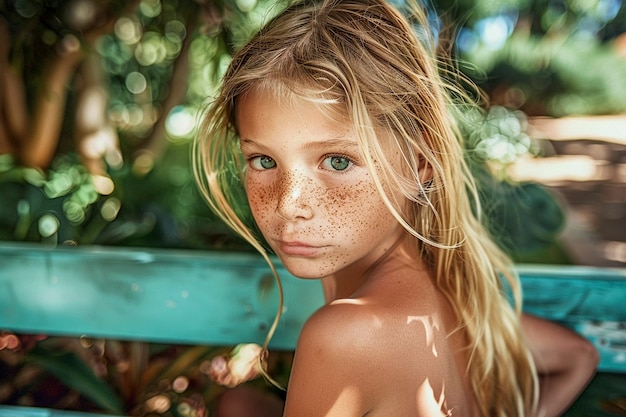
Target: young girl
{"x":335,"y":119}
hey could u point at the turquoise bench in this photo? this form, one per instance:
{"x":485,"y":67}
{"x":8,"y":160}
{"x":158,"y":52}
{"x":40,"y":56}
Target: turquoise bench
{"x":215,"y":298}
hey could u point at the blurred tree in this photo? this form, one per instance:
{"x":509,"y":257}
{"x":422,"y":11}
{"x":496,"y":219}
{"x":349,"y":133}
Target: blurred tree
{"x":99,"y":101}
{"x":118,"y":84}
{"x":545,"y":57}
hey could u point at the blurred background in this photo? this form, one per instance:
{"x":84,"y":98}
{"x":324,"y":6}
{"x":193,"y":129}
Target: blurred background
{"x":99,"y":103}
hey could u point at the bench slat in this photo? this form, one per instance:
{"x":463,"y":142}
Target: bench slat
{"x":150,"y":295}
{"x":216,"y":298}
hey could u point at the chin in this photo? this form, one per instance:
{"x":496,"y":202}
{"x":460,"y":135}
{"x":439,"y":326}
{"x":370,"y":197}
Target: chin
{"x":304,"y":269}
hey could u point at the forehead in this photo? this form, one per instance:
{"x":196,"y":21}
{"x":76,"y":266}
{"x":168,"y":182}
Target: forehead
{"x":260,"y":110}
{"x":292,"y":94}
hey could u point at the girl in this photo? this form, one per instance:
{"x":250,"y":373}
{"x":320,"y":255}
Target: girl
{"x":336,"y":120}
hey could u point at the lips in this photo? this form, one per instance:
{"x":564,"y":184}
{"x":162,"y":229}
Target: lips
{"x":297,"y":249}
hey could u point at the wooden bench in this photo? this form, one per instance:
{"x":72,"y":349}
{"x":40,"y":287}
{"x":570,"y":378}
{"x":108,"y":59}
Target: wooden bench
{"x":215,"y":298}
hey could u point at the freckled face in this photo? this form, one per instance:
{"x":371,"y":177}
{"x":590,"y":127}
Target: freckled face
{"x":308,"y":188}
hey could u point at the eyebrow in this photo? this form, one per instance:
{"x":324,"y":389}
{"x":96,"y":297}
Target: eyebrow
{"x":321,"y":144}
{"x":335,"y":143}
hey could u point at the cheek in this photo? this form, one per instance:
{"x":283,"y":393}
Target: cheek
{"x":356,"y":212}
{"x":261,"y":198}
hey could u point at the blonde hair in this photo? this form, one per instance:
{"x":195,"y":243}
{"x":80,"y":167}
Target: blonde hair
{"x":364,"y":59}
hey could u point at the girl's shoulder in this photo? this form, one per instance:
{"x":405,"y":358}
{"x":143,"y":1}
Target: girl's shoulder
{"x":370,"y":328}
{"x":378,"y":349}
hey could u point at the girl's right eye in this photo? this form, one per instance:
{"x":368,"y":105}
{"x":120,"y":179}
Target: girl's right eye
{"x":262,"y":163}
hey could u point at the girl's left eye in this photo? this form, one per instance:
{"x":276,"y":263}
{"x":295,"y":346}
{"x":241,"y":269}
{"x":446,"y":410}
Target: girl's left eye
{"x":261,"y":163}
{"x":337,"y":163}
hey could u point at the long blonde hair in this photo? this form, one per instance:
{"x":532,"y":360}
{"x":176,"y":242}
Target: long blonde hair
{"x":380,"y":69}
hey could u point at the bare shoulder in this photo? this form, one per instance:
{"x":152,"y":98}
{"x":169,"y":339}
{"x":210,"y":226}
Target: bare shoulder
{"x":373,"y":358}
{"x":343,"y":323}
{"x":336,"y":364}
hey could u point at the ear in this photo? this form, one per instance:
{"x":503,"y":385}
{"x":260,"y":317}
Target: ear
{"x":425,"y":171}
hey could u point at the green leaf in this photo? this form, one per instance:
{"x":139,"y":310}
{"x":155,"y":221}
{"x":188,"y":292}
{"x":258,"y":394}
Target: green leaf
{"x":76,"y":374}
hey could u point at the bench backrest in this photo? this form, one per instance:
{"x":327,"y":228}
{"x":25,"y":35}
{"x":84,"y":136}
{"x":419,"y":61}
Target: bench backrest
{"x":217,"y":298}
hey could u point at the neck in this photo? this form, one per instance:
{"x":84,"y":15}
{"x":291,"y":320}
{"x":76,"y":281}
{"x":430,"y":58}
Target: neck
{"x":345,"y":283}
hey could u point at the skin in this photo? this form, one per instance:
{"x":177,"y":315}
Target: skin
{"x":384,"y":344}
{"x":565,"y":362}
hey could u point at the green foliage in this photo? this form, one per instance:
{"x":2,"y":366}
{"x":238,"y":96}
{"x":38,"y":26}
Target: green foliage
{"x":524,"y":218}
{"x":50,"y":206}
{"x":123,"y":378}
{"x":75,"y":373}
{"x":543,"y":57}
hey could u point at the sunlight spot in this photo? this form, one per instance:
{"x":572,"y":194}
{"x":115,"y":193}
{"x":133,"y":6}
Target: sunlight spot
{"x":494,"y":31}
{"x":559,"y":168}
{"x":430,"y":326}
{"x":81,"y":14}
{"x":110,"y":209}
{"x":136,"y":82}
{"x":103,"y":184}
{"x":180,"y":123}
{"x":96,"y":144}
{"x":93,"y":107}
{"x":615,"y":251}
{"x":127,"y":30}
{"x":348,"y":301}
{"x":427,"y":402}
{"x":159,"y":404}
{"x":180,"y":384}
{"x":48,"y":225}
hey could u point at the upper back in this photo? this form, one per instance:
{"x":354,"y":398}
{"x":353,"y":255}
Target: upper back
{"x":426,"y":350}
{"x":392,"y":349}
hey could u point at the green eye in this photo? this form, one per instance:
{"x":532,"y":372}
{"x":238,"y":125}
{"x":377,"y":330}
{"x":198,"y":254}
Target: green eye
{"x":338,"y":163}
{"x":262,"y":163}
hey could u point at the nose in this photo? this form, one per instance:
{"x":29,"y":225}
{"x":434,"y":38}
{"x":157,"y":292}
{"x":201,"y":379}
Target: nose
{"x":295,"y":196}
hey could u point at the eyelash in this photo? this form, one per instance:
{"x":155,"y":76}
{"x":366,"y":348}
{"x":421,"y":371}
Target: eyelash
{"x":252,"y":158}
{"x":350,"y":160}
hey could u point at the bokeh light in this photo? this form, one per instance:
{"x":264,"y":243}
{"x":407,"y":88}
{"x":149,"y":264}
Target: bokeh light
{"x":48,"y":225}
{"x":136,"y":82}
{"x":110,"y":209}
{"x":181,"y":122}
{"x":128,"y":30}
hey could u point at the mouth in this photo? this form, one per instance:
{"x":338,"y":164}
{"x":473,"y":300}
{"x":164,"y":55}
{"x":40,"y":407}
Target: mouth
{"x":297,"y":249}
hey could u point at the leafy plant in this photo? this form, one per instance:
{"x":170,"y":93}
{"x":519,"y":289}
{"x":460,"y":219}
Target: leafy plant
{"x":122,"y":378}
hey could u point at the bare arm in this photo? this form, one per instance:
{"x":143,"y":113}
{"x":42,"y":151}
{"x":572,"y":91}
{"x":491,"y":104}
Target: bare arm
{"x":565,"y":362}
{"x":328,"y":369}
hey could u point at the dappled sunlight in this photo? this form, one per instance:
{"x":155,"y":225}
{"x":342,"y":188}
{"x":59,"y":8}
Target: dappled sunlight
{"x":615,"y":251}
{"x":431,"y":325}
{"x":585,"y":164}
{"x":103,"y":184}
{"x":429,"y":403}
{"x":610,"y":128}
{"x":559,"y":168}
